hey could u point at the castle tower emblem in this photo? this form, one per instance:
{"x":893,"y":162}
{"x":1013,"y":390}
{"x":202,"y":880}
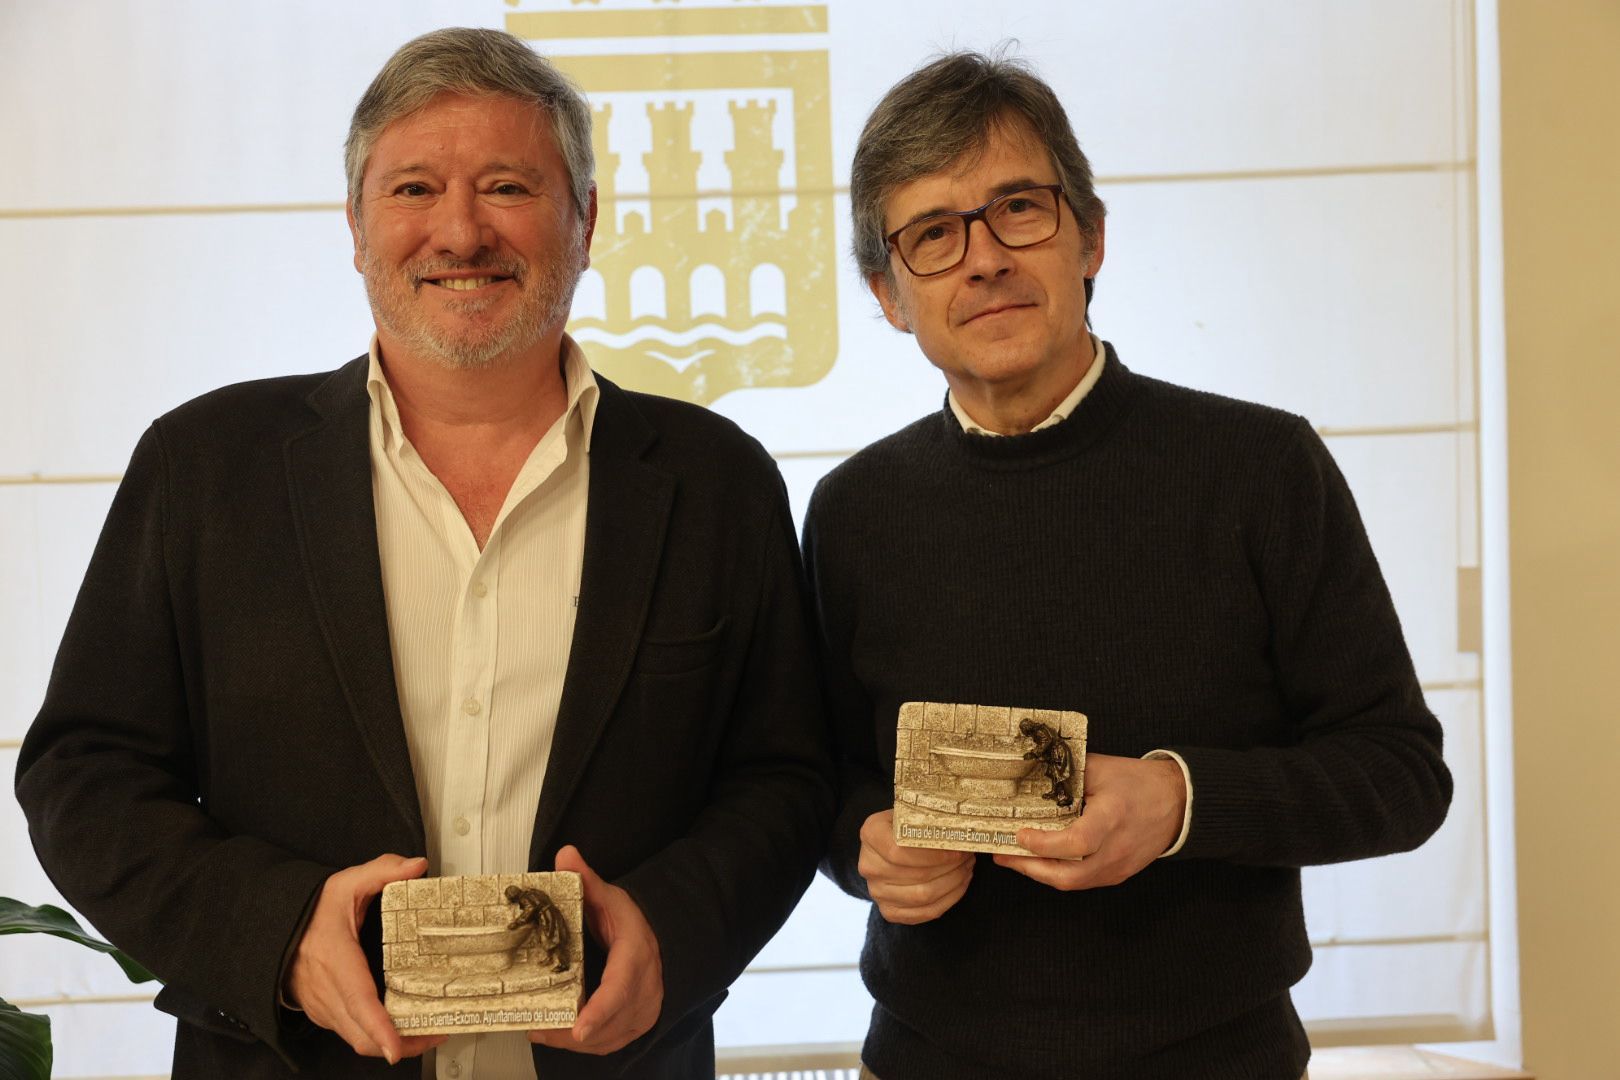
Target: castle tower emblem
{"x":713,"y":266}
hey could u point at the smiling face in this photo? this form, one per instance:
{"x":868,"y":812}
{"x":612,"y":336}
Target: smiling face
{"x":1004,"y":322}
{"x":466,"y":232}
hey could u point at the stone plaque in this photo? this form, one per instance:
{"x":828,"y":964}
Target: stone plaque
{"x":486,"y":952}
{"x":968,"y":777}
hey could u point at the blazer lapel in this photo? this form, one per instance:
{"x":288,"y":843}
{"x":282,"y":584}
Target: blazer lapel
{"x":329,"y":476}
{"x":625,"y":520}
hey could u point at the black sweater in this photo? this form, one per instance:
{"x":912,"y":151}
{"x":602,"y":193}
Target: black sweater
{"x":1190,"y":572}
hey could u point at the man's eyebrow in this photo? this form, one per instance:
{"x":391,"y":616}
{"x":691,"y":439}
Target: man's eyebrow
{"x":1005,"y":188}
{"x":528,"y":171}
{"x":400,"y":173}
{"x":418,"y":168}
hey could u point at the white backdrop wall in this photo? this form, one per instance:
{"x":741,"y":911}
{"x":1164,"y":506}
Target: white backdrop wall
{"x":1291,"y":220}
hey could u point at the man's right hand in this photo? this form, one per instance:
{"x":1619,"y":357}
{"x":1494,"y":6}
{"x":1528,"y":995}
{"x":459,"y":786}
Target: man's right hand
{"x":910,"y":885}
{"x":329,"y":979}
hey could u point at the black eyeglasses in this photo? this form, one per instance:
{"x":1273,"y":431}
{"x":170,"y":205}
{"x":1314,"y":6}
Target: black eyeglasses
{"x":1018,"y":219}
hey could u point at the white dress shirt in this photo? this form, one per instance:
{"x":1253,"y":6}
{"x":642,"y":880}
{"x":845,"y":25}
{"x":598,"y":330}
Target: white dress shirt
{"x":480,"y":645}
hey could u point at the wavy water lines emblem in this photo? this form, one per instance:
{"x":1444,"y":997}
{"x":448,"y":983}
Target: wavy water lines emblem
{"x":681,"y":348}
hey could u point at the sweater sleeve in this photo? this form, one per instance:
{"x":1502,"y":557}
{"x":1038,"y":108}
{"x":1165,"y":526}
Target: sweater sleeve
{"x":863,"y":786}
{"x":1363,"y":775}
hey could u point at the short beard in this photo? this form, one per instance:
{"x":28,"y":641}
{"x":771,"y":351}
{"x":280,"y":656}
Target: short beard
{"x":544,"y":300}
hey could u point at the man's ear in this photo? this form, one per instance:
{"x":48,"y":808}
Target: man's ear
{"x":883,"y":288}
{"x":354,"y":234}
{"x":1095,"y":262}
{"x":590,"y":229}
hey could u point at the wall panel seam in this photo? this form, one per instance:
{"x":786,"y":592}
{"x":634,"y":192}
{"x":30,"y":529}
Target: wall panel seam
{"x":1212,"y":176}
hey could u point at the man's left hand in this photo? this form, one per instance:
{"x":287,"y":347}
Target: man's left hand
{"x":1133,"y":813}
{"x":627,"y":1003}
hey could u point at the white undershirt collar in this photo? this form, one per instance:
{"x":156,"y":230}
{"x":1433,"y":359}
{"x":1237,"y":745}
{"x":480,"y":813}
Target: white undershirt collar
{"x":1064,"y":410}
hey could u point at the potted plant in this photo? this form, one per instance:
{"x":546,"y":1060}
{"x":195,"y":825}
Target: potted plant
{"x":25,"y":1038}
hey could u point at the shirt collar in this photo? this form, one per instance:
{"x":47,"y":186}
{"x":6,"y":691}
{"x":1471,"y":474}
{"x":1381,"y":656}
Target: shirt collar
{"x":1065,"y":408}
{"x":583,"y":392}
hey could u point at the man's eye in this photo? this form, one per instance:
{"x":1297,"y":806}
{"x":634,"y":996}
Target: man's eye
{"x":1020,"y":205}
{"x":937,"y":231}
{"x":510,"y":189}
{"x":412,"y":190}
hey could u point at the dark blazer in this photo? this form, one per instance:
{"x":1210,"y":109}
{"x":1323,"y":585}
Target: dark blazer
{"x":221,"y":731}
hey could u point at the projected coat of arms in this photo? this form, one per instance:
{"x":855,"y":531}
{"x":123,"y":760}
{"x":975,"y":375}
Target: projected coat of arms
{"x":713,"y":267}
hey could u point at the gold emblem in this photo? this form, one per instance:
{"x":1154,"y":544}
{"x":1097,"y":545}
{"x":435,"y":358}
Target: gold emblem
{"x":713,"y":267}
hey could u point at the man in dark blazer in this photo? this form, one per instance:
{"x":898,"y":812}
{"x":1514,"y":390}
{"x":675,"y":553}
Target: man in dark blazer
{"x":234,"y":755}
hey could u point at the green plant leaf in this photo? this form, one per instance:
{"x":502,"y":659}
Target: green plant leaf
{"x":19,"y":918}
{"x":25,"y":1044}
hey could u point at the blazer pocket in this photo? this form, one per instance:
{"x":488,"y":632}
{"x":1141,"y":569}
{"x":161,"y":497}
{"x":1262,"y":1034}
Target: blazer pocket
{"x":659,"y":655}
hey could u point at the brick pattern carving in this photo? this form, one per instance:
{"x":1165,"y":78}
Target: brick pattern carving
{"x":962,"y":781}
{"x":454,"y":964}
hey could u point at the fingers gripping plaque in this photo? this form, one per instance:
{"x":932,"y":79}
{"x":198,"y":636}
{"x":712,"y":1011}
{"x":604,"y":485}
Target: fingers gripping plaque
{"x":488,"y":952}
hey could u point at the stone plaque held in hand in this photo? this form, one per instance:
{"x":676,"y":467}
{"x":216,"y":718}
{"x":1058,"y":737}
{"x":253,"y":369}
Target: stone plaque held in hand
{"x":486,"y":952}
{"x":968,"y":777}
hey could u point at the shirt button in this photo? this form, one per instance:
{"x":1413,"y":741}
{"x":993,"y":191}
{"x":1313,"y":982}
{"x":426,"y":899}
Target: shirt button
{"x":471,"y":707}
{"x":462,"y":826}
{"x":480,"y":590}
{"x":453,"y":1069}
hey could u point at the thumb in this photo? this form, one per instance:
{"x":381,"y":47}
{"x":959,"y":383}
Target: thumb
{"x":595,"y":891}
{"x":569,"y":858}
{"x":365,"y":881}
{"x":372,"y":876}
{"x":386,"y":868}
{"x":1068,"y":843}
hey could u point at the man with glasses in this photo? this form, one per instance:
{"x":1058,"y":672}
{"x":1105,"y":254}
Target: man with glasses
{"x":1188,"y":570}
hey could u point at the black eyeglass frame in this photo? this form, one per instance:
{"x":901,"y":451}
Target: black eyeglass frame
{"x":979,"y":214}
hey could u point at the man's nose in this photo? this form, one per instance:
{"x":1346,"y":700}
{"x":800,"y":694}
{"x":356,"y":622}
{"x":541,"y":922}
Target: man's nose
{"x":460,"y":228}
{"x":986,"y":256}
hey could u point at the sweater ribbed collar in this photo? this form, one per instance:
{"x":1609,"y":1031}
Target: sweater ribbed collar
{"x":1096,"y":415}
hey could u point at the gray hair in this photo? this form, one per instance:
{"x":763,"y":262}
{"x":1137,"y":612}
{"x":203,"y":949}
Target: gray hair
{"x":461,"y":60}
{"x":943,"y":111}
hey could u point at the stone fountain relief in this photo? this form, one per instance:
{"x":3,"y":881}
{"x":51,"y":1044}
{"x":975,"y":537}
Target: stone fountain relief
{"x":487,"y":952}
{"x":968,"y":777}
